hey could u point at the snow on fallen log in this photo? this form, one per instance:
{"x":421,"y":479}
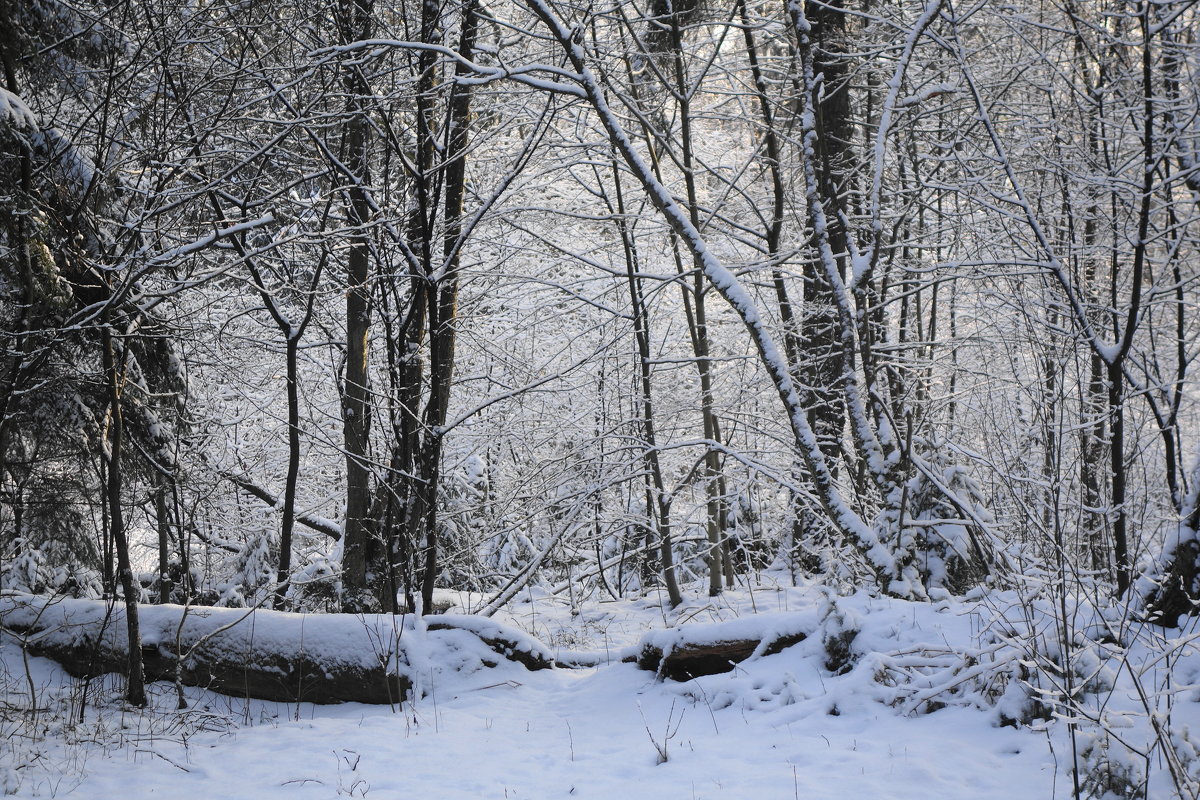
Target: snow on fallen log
{"x":512,"y":644}
{"x":689,"y":651}
{"x":272,"y":655}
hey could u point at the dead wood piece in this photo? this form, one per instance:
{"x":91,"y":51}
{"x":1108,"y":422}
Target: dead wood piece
{"x":692,"y":659}
{"x":290,"y":679}
{"x":507,"y":648}
{"x":193,"y":646}
{"x":262,"y":676}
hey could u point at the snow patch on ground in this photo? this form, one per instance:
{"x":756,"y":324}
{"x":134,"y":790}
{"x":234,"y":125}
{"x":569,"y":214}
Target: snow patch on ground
{"x":906,"y":709}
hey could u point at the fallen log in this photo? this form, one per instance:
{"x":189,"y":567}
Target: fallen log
{"x":269,"y":655}
{"x":503,"y":641}
{"x":690,"y":651}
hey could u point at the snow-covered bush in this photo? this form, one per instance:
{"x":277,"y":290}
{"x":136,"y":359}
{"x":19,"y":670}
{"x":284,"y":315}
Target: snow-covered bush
{"x":932,"y":527}
{"x":252,"y":574}
{"x":28,"y":567}
{"x":1110,"y":770}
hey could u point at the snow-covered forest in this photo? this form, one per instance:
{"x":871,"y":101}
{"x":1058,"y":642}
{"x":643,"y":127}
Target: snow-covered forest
{"x":649,"y":314}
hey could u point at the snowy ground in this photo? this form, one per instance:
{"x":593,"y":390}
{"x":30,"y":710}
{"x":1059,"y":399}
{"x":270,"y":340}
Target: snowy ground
{"x":781,"y":726}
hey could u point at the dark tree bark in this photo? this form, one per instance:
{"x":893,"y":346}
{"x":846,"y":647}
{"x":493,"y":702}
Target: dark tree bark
{"x":114,"y":374}
{"x":691,"y":659}
{"x":821,"y":370}
{"x":443,"y":308}
{"x":355,"y":22}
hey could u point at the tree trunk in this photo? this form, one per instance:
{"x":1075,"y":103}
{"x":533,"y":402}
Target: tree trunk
{"x":804,"y":523}
{"x":443,"y":310}
{"x":695,"y":307}
{"x":288,"y":522}
{"x":355,"y":22}
{"x":822,"y":367}
{"x":657,"y":506}
{"x":114,"y":373}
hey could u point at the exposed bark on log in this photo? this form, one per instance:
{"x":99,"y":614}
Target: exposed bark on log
{"x":285,"y":679}
{"x":686,"y":660}
{"x":267,"y":655}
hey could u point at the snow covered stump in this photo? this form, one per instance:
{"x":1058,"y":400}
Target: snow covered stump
{"x":269,"y":655}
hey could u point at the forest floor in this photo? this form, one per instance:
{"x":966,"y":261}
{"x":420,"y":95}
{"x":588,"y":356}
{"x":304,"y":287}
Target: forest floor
{"x":777,"y":726}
